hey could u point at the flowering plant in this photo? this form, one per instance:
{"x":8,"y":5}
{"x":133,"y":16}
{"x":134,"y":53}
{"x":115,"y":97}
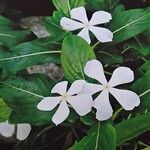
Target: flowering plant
{"x":105,"y":89}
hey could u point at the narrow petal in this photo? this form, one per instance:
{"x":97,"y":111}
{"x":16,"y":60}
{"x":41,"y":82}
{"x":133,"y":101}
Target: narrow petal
{"x":61,"y":113}
{"x":79,"y":14}
{"x":102,"y":104}
{"x":23,"y":130}
{"x":94,"y":69}
{"x":102,"y":34}
{"x":60,"y":88}
{"x":70,"y":25}
{"x":91,"y":88}
{"x":81,"y":103}
{"x":100,"y":17}
{"x":121,"y":75}
{"x":6,"y":129}
{"x":84,"y":33}
{"x":49,"y":103}
{"x":127,"y":99}
{"x":76,"y":87}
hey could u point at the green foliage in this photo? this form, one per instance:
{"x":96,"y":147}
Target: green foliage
{"x":4,"y":111}
{"x":131,"y":128}
{"x":66,"y":5}
{"x":10,"y":34}
{"x":23,"y":95}
{"x":74,"y":55}
{"x":41,"y":51}
{"x":129,"y":23}
{"x":142,"y":87}
{"x":101,"y":136}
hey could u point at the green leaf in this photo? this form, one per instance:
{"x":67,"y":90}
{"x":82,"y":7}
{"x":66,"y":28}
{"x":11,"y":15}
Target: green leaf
{"x":23,"y":96}
{"x":4,"y":111}
{"x":131,"y":128}
{"x":129,"y":23}
{"x":142,"y":88}
{"x":74,"y":55}
{"x":100,"y":137}
{"x":40,"y":51}
{"x":66,"y":5}
{"x":101,"y":4}
{"x":11,"y":35}
{"x":52,"y":24}
{"x":145,"y":67}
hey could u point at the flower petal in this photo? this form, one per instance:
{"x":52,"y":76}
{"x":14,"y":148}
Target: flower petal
{"x":48,"y":103}
{"x":91,"y":88}
{"x":127,"y":99}
{"x":81,"y":103}
{"x":84,"y":33}
{"x":23,"y":130}
{"x":102,"y":34}
{"x":102,"y":104}
{"x":70,"y":25}
{"x":100,"y":17}
{"x":94,"y":69}
{"x":6,"y":129}
{"x":61,"y":113}
{"x":60,"y":88}
{"x":79,"y":14}
{"x":76,"y":87}
{"x":121,"y":75}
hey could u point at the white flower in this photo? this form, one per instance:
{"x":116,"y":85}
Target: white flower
{"x":82,"y":103}
{"x":8,"y":130}
{"x":121,"y":75}
{"x":81,"y":22}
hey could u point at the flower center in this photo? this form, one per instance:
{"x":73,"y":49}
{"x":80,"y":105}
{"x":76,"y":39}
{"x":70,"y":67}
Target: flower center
{"x":65,"y":97}
{"x":107,"y":87}
{"x":87,"y":25}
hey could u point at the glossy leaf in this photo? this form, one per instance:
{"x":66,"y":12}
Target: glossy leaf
{"x":131,"y":128}
{"x":66,"y":5}
{"x":142,"y":88}
{"x":74,"y":55}
{"x":23,"y":95}
{"x":129,"y":23}
{"x":4,"y":111}
{"x":10,"y":34}
{"x":100,"y":137}
{"x":40,"y":51}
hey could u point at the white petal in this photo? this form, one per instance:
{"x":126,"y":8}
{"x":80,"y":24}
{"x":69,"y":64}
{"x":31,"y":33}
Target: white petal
{"x":48,"y":103}
{"x":91,"y":88}
{"x":79,"y":14}
{"x":121,"y":75}
{"x":102,"y":34}
{"x":76,"y":87}
{"x":70,"y":25}
{"x":6,"y":129}
{"x":81,"y":103}
{"x":127,"y":99}
{"x":100,"y":17}
{"x":84,"y":33}
{"x":102,"y":104}
{"x":23,"y":130}
{"x":94,"y":69}
{"x":61,"y":113}
{"x":60,"y":88}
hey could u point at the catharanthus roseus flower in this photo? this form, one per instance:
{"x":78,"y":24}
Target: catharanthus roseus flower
{"x":8,"y":130}
{"x":81,"y":22}
{"x":82,"y":103}
{"x":121,"y":75}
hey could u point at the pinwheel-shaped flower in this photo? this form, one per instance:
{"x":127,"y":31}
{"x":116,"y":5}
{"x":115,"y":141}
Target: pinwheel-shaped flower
{"x":8,"y":130}
{"x":121,"y":75}
{"x":82,"y":103}
{"x":81,"y":22}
